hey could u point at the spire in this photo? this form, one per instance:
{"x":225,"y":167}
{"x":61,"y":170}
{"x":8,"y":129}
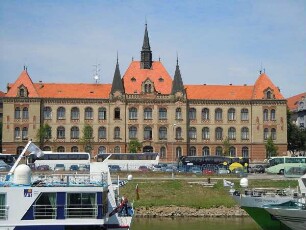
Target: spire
{"x":177,"y":83}
{"x":117,"y":81}
{"x":146,"y":53}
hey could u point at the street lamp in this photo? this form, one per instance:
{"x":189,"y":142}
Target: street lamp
{"x":173,"y":150}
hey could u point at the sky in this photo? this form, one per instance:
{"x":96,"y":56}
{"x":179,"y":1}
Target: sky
{"x":218,"y":42}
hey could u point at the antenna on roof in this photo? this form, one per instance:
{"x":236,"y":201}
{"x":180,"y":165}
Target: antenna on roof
{"x":96,"y":73}
{"x":261,"y":69}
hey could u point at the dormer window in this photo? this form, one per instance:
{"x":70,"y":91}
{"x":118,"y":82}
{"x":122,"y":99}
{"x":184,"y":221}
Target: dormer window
{"x":268,"y":94}
{"x":148,"y":86}
{"x":22,"y":91}
{"x":161,"y":79}
{"x":133,"y":79}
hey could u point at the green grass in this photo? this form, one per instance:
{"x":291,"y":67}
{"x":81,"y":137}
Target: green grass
{"x":180,"y":193}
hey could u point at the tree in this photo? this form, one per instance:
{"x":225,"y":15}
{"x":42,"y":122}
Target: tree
{"x":271,"y":149}
{"x":43,"y":135}
{"x":226,"y":147}
{"x":87,"y":138}
{"x":134,"y":146}
{"x":295,"y":136}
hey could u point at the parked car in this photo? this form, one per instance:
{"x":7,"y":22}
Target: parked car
{"x":83,"y":167}
{"x":43,"y":168}
{"x":196,"y":170}
{"x":74,"y":168}
{"x":4,"y":166}
{"x":240,"y":172}
{"x":257,"y":169}
{"x":59,"y":167}
{"x":143,"y":168}
{"x":156,"y":168}
{"x":114,"y":168}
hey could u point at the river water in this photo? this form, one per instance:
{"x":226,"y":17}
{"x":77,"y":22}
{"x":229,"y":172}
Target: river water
{"x":245,"y":223}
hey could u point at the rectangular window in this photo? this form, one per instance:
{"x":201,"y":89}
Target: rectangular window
{"x":3,"y":207}
{"x":81,"y":205}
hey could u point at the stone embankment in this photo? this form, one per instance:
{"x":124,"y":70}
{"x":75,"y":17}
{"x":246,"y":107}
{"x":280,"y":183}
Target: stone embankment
{"x":174,"y":211}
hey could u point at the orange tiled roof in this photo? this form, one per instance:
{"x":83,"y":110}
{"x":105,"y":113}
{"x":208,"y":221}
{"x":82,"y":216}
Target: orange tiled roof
{"x":23,"y":79}
{"x":219,"y":92}
{"x":53,"y":90}
{"x":292,"y":102}
{"x":154,"y":74}
{"x":2,"y":94}
{"x":263,"y":82}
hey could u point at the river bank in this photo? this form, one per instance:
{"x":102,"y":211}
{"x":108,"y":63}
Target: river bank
{"x":175,"y":211}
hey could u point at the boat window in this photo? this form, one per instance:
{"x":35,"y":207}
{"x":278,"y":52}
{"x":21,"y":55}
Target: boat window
{"x":45,"y":206}
{"x":81,"y":205}
{"x":3,"y":208}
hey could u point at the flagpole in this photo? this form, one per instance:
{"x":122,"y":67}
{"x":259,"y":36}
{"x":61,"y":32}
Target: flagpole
{"x":7,"y":178}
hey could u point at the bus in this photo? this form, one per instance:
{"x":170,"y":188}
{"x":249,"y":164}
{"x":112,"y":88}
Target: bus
{"x":186,"y":163}
{"x":53,"y":158}
{"x":277,"y":165}
{"x":129,"y":161}
{"x":8,"y":158}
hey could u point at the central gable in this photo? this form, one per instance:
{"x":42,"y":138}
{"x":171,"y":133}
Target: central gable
{"x":136,"y":78}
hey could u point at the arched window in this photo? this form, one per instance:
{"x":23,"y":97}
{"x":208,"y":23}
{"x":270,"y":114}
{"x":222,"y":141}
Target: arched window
{"x":265,"y":115}
{"x":88,"y":113}
{"x":17,"y":133}
{"x":219,"y":133}
{"x":178,"y":114}
{"x":162,"y":133}
{"x":117,"y":114}
{"x":102,"y":113}
{"x":46,"y":148}
{"x":61,"y":132}
{"x":75,"y":113}
{"x":133,"y":113}
{"x":219,"y":151}
{"x":75,"y":132}
{"x":162,"y":114}
{"x":232,"y":133}
{"x":117,"y":149}
{"x":132,"y":132}
{"x":102,"y":132}
{"x":205,"y":151}
{"x":205,"y":114}
{"x":61,"y":113}
{"x":178,"y":152}
{"x":205,"y":133}
{"x":24,"y":133}
{"x":147,"y":113}
{"x":244,"y":114}
{"x":25,"y":113}
{"x":192,"y":151}
{"x":163,"y":154}
{"x":272,"y":115}
{"x":218,"y":114}
{"x":266,"y":134}
{"x":116,"y":133}
{"x":74,"y":149}
{"x":101,"y":150}
{"x":47,"y":113}
{"x":178,"y":133}
{"x":17,"y":114}
{"x":245,"y":133}
{"x":147,"y":133}
{"x":232,"y":151}
{"x":273,"y":134}
{"x":192,"y":133}
{"x":245,"y":152}
{"x":192,"y":114}
{"x":231,"y":114}
{"x":61,"y":149}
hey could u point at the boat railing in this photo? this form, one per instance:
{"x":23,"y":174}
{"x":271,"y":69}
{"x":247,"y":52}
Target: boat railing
{"x":81,"y":211}
{"x":3,"y":212}
{"x":44,"y":212}
{"x":70,"y":179}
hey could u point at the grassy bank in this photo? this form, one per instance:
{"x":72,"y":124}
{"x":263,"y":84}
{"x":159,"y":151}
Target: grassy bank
{"x":154,"y":193}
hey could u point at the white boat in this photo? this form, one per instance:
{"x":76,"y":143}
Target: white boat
{"x":292,"y":213}
{"x":61,"y":202}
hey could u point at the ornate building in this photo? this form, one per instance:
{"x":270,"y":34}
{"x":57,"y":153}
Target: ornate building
{"x":148,"y":105}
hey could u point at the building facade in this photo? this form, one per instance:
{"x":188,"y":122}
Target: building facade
{"x":148,"y":105}
{"x":297,"y":106}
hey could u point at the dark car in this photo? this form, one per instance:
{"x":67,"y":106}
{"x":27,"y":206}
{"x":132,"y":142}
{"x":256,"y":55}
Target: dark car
{"x":257,"y":169}
{"x":114,"y":168}
{"x":143,"y":168}
{"x":43,"y":168}
{"x":74,"y":168}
